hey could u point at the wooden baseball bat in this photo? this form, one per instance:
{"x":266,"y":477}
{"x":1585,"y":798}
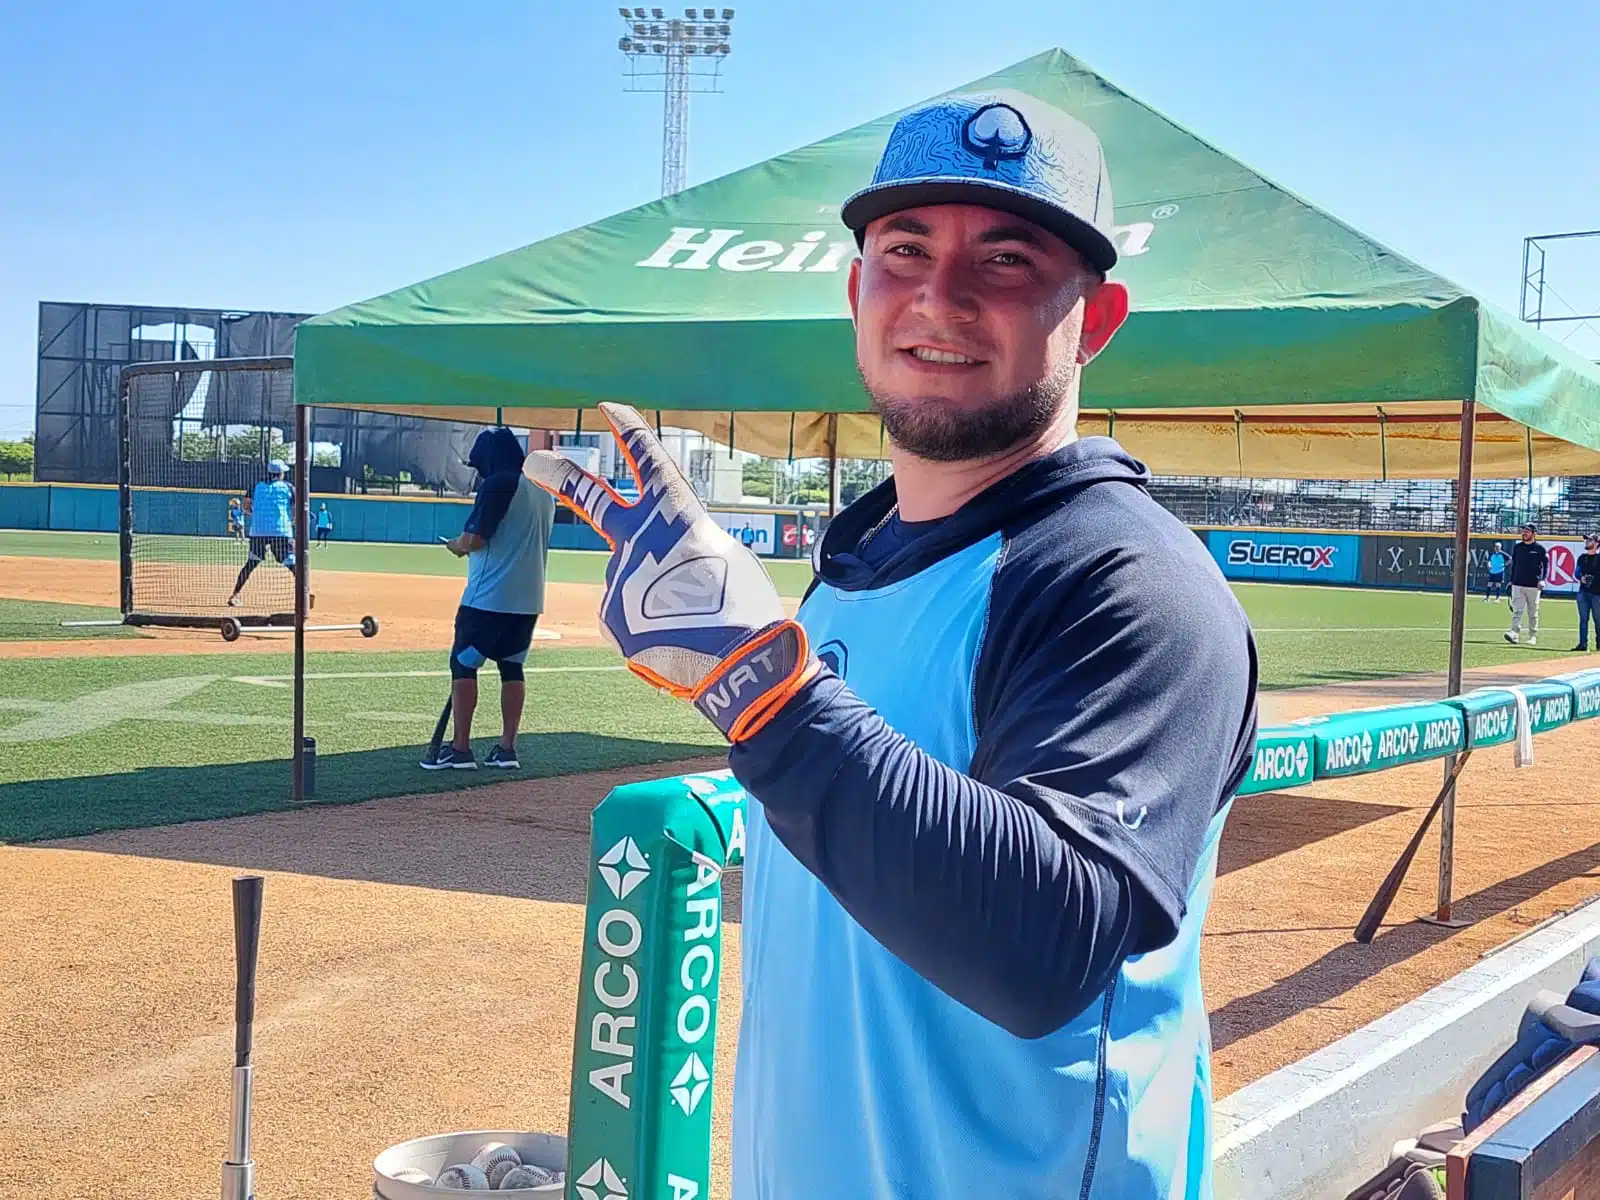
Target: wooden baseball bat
{"x":1379,"y":908}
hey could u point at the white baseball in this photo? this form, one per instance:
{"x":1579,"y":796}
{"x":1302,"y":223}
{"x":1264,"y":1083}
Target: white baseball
{"x":494,"y":1160}
{"x":464,"y":1176}
{"x":412,"y":1175}
{"x":527,"y":1176}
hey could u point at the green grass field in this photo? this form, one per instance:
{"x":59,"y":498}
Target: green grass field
{"x":566,"y":566}
{"x":128,"y":741}
{"x":117,"y":743}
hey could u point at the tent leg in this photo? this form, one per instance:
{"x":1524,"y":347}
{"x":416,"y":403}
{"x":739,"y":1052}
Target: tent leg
{"x":1458,"y":633}
{"x":302,"y":580}
{"x":833,"y":465}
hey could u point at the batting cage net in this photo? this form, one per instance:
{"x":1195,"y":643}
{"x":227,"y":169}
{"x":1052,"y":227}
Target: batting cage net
{"x":206,"y":488}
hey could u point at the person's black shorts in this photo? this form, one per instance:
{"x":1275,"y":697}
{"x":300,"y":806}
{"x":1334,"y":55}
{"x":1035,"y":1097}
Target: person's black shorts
{"x":282,"y":548}
{"x":483,"y":636}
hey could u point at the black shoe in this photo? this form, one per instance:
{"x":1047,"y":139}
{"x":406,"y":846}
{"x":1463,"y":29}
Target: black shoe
{"x":451,"y":759}
{"x":501,"y":757}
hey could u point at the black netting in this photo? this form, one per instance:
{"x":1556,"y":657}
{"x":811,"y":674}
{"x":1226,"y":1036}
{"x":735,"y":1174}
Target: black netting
{"x":198,"y":439}
{"x":1559,"y":507}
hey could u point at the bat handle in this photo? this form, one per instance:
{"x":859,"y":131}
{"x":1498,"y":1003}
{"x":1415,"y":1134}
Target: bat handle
{"x":246,"y":941}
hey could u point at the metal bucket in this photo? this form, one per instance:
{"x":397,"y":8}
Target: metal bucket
{"x":434,"y":1154}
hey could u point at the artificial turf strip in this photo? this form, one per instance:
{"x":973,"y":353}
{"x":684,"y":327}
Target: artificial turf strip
{"x":127,"y":742}
{"x":38,"y":621}
{"x":790,"y":576}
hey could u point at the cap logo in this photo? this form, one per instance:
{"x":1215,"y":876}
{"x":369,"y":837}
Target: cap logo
{"x":996,"y":133}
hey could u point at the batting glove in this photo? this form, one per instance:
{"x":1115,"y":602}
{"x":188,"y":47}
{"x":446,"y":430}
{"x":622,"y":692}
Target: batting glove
{"x":692,"y":610}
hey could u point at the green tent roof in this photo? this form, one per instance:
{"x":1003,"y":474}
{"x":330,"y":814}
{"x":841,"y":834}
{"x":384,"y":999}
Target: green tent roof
{"x":729,"y":298}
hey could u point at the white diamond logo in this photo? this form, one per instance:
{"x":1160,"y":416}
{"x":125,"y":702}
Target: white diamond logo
{"x":1301,"y":757}
{"x":623,"y":867}
{"x":1366,"y":747}
{"x":601,"y":1182}
{"x":690,"y":1084}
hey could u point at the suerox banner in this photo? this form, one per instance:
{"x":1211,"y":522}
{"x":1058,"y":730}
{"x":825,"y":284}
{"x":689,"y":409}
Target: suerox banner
{"x":1286,"y":556}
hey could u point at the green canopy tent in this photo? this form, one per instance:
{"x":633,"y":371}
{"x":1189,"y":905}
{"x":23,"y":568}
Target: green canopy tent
{"x":1268,"y":339}
{"x":722,"y":309}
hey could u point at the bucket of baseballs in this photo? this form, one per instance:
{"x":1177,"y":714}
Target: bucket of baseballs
{"x":459,"y":1164}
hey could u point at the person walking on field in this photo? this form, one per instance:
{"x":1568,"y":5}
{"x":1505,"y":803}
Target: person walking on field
{"x":1589,"y":591}
{"x":975,"y":874}
{"x":505,"y":542}
{"x":324,"y":525}
{"x":1529,"y":563}
{"x":1496,"y":583}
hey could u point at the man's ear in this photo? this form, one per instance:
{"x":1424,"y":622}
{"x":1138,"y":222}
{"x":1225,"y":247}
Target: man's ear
{"x":852,"y":288}
{"x":1104,"y":310}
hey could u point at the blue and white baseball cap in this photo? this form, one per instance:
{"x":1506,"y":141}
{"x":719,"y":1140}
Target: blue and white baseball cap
{"x":276,"y":467}
{"x":1001,"y":149}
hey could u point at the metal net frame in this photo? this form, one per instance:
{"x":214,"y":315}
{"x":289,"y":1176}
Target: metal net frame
{"x":195,"y":440}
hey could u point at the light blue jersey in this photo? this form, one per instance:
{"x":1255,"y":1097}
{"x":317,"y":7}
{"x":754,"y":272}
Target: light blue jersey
{"x":272,"y":509}
{"x":508,"y":574}
{"x":859,"y":1078}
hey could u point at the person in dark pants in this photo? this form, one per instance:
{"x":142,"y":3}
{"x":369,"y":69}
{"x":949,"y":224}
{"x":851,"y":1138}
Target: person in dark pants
{"x":1495,"y":586}
{"x":1589,"y":591}
{"x":1529,"y":562}
{"x":324,"y":525}
{"x":505,"y":543}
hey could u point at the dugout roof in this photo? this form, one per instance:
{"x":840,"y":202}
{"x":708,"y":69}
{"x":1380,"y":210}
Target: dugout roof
{"x":1268,"y":338}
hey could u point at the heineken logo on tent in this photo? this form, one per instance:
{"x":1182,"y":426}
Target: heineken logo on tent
{"x":696,"y":248}
{"x":996,"y":132}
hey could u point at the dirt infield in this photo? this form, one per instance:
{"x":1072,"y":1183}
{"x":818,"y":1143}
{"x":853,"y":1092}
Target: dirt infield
{"x":420,"y":956}
{"x":414,"y":612}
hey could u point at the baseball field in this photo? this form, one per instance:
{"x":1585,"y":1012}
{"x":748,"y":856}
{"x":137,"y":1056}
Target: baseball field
{"x":420,"y":948}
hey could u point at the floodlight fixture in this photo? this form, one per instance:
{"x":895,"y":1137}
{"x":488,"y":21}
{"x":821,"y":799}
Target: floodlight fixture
{"x":727,"y":14}
{"x":657,"y":13}
{"x":710,"y":14}
{"x":691,"y":50}
{"x":627,"y":13}
{"x":625,"y":44}
{"x":640,"y":13}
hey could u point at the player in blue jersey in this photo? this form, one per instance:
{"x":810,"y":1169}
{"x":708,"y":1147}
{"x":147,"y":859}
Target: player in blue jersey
{"x":505,"y":542}
{"x":270,"y":512}
{"x":990,"y":761}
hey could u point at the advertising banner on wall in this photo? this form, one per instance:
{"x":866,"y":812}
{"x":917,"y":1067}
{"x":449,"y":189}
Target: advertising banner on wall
{"x":762,"y":524}
{"x":1393,"y":560}
{"x":1286,"y":556}
{"x":1563,"y":576}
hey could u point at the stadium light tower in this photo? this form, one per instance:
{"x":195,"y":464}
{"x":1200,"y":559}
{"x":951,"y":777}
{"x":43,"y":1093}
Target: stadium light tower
{"x":676,"y":56}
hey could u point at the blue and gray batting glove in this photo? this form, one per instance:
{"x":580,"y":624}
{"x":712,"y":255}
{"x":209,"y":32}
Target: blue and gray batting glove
{"x":692,"y":610}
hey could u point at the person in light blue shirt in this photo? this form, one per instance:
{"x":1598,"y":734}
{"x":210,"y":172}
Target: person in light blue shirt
{"x":1495,"y":586}
{"x":505,"y":542}
{"x":270,"y":513}
{"x":324,"y":525}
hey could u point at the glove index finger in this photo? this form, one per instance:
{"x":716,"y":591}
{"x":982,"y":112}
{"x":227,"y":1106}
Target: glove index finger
{"x":591,"y":497}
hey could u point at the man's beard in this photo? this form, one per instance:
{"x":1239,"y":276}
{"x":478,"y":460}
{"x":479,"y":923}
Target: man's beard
{"x":939,"y":433}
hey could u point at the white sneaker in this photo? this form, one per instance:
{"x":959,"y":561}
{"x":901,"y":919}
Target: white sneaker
{"x":1511,"y":636}
{"x":1532,"y":641}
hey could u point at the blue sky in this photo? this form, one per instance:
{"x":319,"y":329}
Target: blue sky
{"x":296,"y":156}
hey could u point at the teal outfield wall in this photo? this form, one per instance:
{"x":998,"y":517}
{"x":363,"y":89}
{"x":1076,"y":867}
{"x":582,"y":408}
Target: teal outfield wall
{"x":93,"y":509}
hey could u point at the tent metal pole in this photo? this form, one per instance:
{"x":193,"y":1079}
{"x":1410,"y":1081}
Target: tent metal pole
{"x":1458,"y":630}
{"x":302,"y":581}
{"x":833,"y":465}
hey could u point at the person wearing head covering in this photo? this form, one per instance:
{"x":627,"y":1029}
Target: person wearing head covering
{"x":270,"y":513}
{"x":989,"y":762}
{"x":1588,"y":573}
{"x":1530,"y":562}
{"x":505,"y":542}
{"x":324,"y":525}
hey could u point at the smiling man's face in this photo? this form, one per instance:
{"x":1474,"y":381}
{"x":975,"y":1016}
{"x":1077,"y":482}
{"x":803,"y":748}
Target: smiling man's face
{"x":971,"y":326}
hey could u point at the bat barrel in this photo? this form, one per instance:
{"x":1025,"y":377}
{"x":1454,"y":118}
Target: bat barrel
{"x":246,"y":942}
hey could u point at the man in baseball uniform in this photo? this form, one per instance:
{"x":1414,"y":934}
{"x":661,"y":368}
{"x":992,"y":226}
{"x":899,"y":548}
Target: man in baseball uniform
{"x":978,"y":859}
